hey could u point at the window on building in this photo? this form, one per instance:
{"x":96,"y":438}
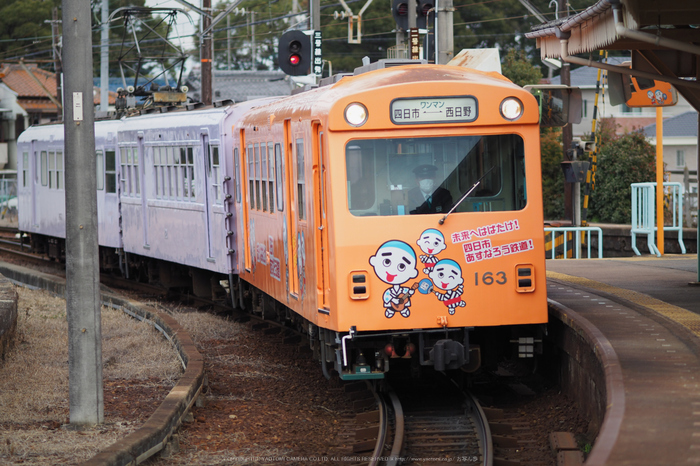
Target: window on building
{"x":680,"y":158}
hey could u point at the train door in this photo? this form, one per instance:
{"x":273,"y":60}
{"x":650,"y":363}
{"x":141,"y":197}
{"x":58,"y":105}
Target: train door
{"x":319,"y":173}
{"x":291,"y":210}
{"x":209,"y":181}
{"x":140,"y":165}
{"x":247,"y":200}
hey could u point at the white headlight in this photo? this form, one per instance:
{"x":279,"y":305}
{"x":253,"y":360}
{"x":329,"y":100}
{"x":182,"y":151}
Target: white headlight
{"x":356,"y":114}
{"x":511,"y":108}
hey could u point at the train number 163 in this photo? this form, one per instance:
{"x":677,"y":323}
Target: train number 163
{"x":489,"y":278}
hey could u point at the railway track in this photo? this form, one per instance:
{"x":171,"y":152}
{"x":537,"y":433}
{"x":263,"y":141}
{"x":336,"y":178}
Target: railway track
{"x":422,"y":422}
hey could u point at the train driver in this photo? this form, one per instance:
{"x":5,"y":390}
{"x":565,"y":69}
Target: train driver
{"x":426,"y":198}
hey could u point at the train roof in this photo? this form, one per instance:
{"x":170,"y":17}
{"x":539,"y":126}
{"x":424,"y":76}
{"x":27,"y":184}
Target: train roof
{"x":183,"y":118}
{"x":55,"y":132}
{"x":384,"y":83}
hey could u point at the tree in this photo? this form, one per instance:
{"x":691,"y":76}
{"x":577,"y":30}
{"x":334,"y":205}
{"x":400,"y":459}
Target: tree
{"x":552,"y":176}
{"x":622,"y":160}
{"x":23,"y":32}
{"x":518,"y":69}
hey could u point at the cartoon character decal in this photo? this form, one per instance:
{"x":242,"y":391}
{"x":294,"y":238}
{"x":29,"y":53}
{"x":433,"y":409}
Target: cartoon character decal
{"x":395,"y":264}
{"x":447,"y":281}
{"x":431,"y":242}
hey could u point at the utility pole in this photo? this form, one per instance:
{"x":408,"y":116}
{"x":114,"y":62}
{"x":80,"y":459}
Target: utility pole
{"x":205,"y":54}
{"x":445,"y":28}
{"x":82,"y":268}
{"x":104,"y":58}
{"x":315,"y":15}
{"x":567,"y":136}
{"x":56,"y":56}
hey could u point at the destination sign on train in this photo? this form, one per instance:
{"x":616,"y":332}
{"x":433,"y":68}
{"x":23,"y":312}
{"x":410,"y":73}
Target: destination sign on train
{"x":434,"y":110}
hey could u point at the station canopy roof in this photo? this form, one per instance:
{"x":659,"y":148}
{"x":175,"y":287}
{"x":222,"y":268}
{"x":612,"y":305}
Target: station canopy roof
{"x":662,"y":36}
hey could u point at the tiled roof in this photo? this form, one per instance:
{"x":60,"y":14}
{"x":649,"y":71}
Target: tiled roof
{"x":683,"y":125}
{"x":38,"y":106}
{"x":19,"y":81}
{"x":30,"y":95}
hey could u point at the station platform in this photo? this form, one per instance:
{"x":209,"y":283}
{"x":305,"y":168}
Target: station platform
{"x":649,"y":312}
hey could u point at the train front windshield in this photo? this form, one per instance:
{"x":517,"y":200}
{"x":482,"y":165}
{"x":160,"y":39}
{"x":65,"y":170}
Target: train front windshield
{"x":412,"y":176}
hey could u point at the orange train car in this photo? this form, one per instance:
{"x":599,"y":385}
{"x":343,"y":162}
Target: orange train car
{"x":396,"y":214}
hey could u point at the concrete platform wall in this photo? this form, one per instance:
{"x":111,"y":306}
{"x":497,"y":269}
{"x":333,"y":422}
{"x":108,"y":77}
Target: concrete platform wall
{"x":8,"y":316}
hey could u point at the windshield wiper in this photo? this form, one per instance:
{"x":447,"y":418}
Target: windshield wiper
{"x":478,"y":182}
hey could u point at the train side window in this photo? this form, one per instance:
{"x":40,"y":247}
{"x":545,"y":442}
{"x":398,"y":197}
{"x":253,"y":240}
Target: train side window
{"x":25,"y":168}
{"x":156,"y":165}
{"x":44,"y":168}
{"x":110,"y":171}
{"x":279,"y":172}
{"x":271,"y":175}
{"x":100,"y":165}
{"x":59,"y":169}
{"x":251,"y":176}
{"x":257,"y":176}
{"x":125,"y":172}
{"x":52,"y":170}
{"x":300,"y":179}
{"x":237,"y":174}
{"x":191,"y":173}
{"x":263,"y":175}
{"x":215,"y":173}
{"x":135,"y":185}
{"x":173,"y":172}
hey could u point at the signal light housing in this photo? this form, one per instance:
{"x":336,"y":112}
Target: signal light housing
{"x":294,"y":53}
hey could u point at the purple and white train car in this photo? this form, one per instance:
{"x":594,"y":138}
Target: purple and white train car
{"x":41,"y":187}
{"x":176,"y":171}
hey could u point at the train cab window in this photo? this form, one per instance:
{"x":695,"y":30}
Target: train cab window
{"x":300,"y":179}
{"x":279,"y":172}
{"x":110,"y":171}
{"x":237,"y":174}
{"x":271,"y":175}
{"x":157,"y":172}
{"x":411,"y":176}
{"x":44,"y":168}
{"x":100,"y":166}
{"x":25,"y":169}
{"x":263,"y":175}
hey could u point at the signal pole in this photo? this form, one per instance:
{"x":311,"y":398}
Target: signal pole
{"x":567,"y":136}
{"x":82,"y":268}
{"x":205,"y":54}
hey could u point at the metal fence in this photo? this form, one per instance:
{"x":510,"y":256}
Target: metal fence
{"x":644,"y":213}
{"x":567,"y":242}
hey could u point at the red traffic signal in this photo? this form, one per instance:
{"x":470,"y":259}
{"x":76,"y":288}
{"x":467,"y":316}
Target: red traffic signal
{"x":294,"y":53}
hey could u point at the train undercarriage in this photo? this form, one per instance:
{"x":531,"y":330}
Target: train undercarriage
{"x":352,"y":355}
